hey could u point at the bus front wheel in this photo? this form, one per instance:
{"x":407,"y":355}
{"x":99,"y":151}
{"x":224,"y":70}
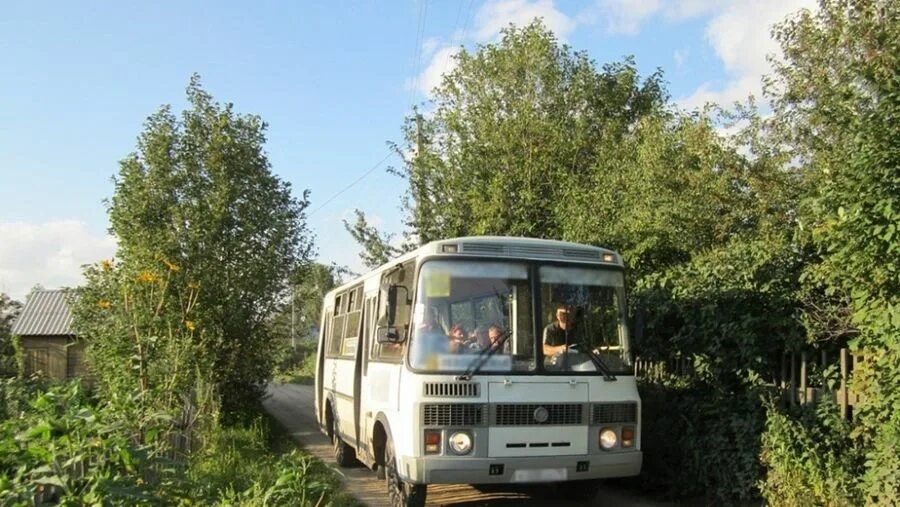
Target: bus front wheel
{"x":400,"y":492}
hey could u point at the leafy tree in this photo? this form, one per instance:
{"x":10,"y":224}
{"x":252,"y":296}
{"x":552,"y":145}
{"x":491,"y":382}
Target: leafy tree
{"x":199,"y":194}
{"x":510,"y":125}
{"x":9,"y":310}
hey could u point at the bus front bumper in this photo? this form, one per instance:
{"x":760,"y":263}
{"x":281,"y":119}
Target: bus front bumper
{"x":471,"y":470}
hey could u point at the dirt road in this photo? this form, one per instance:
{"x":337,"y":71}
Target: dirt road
{"x":292,"y":405}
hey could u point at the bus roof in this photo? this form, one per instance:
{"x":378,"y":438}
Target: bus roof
{"x":502,"y":247}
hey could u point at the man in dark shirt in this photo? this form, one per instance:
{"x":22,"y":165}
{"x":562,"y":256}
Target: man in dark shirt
{"x":555,"y":333}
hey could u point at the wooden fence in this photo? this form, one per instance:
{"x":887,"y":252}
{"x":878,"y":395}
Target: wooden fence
{"x":793,"y":381}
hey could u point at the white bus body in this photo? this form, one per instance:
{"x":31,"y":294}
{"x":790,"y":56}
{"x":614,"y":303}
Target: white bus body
{"x":396,"y":393}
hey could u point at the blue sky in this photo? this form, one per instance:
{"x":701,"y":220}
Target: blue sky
{"x":333,"y":80}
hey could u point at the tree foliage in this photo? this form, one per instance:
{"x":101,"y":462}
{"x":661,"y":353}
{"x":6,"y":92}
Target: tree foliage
{"x":376,"y":248}
{"x":837,"y":100}
{"x":199,"y":194}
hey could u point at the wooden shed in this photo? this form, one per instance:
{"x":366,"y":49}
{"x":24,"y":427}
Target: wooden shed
{"x":49,"y":346}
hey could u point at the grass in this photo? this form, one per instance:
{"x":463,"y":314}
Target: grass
{"x":258,"y":464}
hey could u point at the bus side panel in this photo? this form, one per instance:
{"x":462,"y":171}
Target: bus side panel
{"x":344,"y":370}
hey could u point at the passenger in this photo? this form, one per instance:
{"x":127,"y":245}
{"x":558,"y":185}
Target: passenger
{"x":479,"y":339}
{"x":456,"y":339}
{"x":495,"y":333}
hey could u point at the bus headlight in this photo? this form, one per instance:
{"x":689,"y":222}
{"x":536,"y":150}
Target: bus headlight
{"x":460,"y":442}
{"x":608,"y":438}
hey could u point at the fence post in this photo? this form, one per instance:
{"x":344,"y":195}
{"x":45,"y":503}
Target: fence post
{"x":803,"y":379}
{"x":843,"y":395}
{"x":792,"y":384}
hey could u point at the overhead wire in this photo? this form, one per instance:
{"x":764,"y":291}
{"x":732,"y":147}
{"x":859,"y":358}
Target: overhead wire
{"x":352,"y":184}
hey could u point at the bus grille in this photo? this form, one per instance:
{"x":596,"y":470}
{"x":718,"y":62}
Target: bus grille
{"x":453,"y":414}
{"x":452,"y":389}
{"x":611,"y":413}
{"x":557,"y":414}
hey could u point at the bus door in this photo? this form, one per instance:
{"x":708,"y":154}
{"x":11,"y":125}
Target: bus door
{"x":380,"y":382}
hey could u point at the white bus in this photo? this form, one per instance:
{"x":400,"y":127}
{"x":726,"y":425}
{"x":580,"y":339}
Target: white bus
{"x":482,"y":360}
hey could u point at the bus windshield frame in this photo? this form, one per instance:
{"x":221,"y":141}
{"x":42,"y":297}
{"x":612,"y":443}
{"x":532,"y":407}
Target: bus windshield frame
{"x":445,"y":285}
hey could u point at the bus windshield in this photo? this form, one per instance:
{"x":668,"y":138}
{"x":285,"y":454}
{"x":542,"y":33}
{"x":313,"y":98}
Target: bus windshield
{"x":465,"y":309}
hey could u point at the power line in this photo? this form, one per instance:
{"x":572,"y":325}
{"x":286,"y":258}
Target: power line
{"x":354,"y":182}
{"x":420,"y":33}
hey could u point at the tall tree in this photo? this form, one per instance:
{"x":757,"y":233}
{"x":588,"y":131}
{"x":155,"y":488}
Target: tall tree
{"x":199,"y":193}
{"x":510,"y":124}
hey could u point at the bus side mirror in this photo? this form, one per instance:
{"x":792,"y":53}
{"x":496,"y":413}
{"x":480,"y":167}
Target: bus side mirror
{"x":388,"y":334}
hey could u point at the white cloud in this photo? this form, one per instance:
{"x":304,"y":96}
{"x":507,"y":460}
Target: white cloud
{"x":687,"y":9}
{"x":740,"y":34}
{"x":622,"y":16}
{"x":498,"y":14}
{"x":50,"y":254}
{"x":441,"y":63}
{"x":492,"y":17}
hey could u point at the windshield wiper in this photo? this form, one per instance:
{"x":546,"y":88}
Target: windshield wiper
{"x":483,"y":356}
{"x":604,"y":369}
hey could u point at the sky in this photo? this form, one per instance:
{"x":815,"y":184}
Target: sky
{"x":333,"y":80}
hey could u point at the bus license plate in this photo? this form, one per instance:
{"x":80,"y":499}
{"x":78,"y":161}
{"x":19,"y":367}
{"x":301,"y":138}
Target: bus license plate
{"x":540,"y":475}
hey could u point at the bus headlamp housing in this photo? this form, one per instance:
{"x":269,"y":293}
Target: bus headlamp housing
{"x":460,"y":442}
{"x":608,"y":438}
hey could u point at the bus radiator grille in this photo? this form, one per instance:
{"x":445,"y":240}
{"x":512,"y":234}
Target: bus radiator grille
{"x":453,"y":414}
{"x":612,"y":413}
{"x":529,"y":414}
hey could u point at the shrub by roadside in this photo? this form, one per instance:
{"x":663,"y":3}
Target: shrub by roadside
{"x":60,"y":446}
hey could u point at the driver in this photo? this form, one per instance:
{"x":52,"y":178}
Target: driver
{"x":555,"y":333}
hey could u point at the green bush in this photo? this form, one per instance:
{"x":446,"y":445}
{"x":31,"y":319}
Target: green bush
{"x":699,"y":439}
{"x":811,"y":457}
{"x":57,"y":445}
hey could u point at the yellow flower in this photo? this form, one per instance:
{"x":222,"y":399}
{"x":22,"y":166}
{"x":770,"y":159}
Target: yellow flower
{"x":190,"y":325}
{"x":193,"y":285}
{"x":146,"y":277}
{"x":106,"y":264}
{"x":103,"y":304}
{"x":172,"y":267}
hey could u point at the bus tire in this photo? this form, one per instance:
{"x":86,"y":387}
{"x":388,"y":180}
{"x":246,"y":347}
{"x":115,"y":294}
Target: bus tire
{"x":344,"y":455}
{"x":400,"y":492}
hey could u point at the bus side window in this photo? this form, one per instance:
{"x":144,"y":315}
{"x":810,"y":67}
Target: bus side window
{"x":337,"y":326}
{"x":351,"y":333}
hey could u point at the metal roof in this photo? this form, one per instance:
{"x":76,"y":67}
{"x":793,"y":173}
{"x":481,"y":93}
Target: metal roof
{"x":46,"y":313}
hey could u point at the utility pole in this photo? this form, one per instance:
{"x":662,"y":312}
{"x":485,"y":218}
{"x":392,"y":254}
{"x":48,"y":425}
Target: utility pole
{"x":293,"y":299}
{"x":418,"y":135}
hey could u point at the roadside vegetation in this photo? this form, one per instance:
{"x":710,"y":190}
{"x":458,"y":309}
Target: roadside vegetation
{"x":180,"y":328}
{"x":62,"y":445}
